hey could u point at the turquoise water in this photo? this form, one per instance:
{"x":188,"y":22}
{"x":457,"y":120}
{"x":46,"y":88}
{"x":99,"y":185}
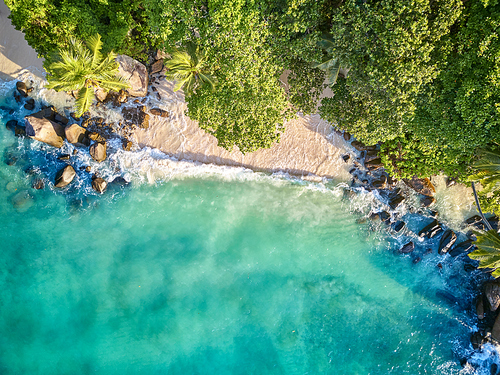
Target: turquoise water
{"x":224,"y":272}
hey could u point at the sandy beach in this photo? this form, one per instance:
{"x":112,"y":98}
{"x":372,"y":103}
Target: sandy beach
{"x":16,"y":56}
{"x":310,"y":147}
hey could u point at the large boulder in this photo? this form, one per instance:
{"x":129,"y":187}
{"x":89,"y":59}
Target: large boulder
{"x":447,"y":241}
{"x":45,"y":130}
{"x":77,"y":135}
{"x":422,"y":186}
{"x":65,"y":176}
{"x":98,"y":151}
{"x":21,"y":88}
{"x":136,"y":74}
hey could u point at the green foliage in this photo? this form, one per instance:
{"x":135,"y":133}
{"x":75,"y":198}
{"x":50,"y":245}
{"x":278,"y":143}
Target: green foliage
{"x":487,"y":172}
{"x":305,"y":86}
{"x":330,"y":63}
{"x":461,"y":108}
{"x":187,"y":68}
{"x":82,"y":68}
{"x":48,"y":25}
{"x":408,"y":156}
{"x":488,"y":251}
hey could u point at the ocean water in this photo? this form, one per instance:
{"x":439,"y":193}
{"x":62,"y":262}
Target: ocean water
{"x":194,"y":269}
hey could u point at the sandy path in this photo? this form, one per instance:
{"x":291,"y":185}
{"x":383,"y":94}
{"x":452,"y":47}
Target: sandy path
{"x":309,"y":147}
{"x":15,"y":53}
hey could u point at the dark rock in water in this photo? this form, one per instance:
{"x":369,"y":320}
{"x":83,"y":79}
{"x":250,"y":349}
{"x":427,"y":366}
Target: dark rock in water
{"x":64,"y":157}
{"x":88,"y":168}
{"x":96,"y":137}
{"x":21,"y":88}
{"x":347,"y":136}
{"x":16,"y":128}
{"x":65,"y":176}
{"x":495,"y":331}
{"x":461,"y":248}
{"x":352,"y":170}
{"x":374,"y":164}
{"x":443,"y":294}
{"x":492,"y":293}
{"x":431,"y":229}
{"x":75,"y":151}
{"x":493,"y":369}
{"x":45,"y":130}
{"x":450,"y":182}
{"x":346,"y":158}
{"x":362,"y":147}
{"x":469,"y":267}
{"x":126,"y":145}
{"x":395,"y":200}
{"x":30,"y":104}
{"x":119,"y":181}
{"x":385,"y":216}
{"x":159,"y":112}
{"x":480,"y":307}
{"x":422,"y":186}
{"x":477,"y":340}
{"x":99,"y":184}
{"x":417,"y":260}
{"x":98,"y":151}
{"x":433,"y":214}
{"x":371,"y":155}
{"x":473,"y":220}
{"x":447,"y":241}
{"x":38,"y":184}
{"x":398,"y":225}
{"x":74,"y":116}
{"x":407,"y":248}
{"x":136,"y":115}
{"x":379,"y":184}
{"x":427,"y":201}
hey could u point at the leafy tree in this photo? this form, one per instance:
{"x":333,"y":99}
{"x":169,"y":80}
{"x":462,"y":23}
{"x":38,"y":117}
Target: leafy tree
{"x":48,"y":25}
{"x":391,"y":48}
{"x":84,"y":68}
{"x":488,"y":251}
{"x":330,"y":63}
{"x":187,"y":67}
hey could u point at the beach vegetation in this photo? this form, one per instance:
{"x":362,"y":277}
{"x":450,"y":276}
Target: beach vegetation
{"x":83,"y":68}
{"x":487,"y":172}
{"x":188,"y":68}
{"x":488,"y":251}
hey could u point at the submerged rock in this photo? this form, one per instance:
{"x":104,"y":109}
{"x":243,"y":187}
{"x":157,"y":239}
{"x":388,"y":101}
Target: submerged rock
{"x":431,"y":230}
{"x":136,"y":115}
{"x":461,"y":248}
{"x":45,"y":130}
{"x":65,"y":176}
{"x":98,"y":151}
{"x":38,"y":184}
{"x":447,"y":241}
{"x":398,"y":225}
{"x":407,"y":248}
{"x":427,"y":201}
{"x":30,"y":104}
{"x":16,"y":128}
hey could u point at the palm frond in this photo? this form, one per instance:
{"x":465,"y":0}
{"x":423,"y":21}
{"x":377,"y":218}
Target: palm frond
{"x":95,"y":44}
{"x":488,"y":251}
{"x":84,"y":100}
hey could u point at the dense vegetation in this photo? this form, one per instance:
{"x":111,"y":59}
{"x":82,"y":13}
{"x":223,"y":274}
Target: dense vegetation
{"x":423,"y":75}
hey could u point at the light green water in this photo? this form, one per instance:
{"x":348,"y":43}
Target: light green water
{"x":210,"y":275}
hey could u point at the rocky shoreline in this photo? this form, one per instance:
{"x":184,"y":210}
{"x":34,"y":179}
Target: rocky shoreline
{"x":92,"y":134}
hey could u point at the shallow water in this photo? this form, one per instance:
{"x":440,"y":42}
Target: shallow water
{"x":197,"y":269}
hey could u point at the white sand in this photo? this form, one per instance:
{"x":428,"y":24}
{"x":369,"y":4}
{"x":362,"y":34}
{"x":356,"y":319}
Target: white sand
{"x":309,"y":147}
{"x":16,"y":56}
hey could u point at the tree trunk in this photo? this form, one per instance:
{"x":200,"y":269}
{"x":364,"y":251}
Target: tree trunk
{"x":486,"y":222}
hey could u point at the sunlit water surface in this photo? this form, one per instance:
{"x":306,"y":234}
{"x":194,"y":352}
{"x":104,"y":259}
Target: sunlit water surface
{"x":209,"y":271}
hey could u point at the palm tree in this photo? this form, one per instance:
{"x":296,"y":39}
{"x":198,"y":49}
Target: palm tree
{"x":488,"y":251}
{"x":187,"y":68}
{"x":331,"y":64}
{"x":84,"y":68}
